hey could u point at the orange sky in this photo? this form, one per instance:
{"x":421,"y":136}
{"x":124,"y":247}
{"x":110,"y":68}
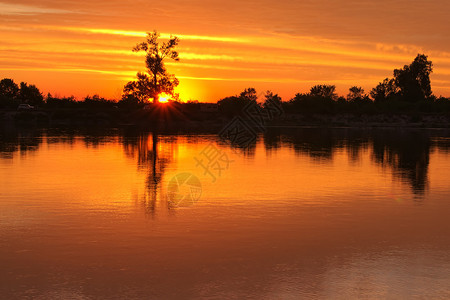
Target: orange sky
{"x":84,"y":47}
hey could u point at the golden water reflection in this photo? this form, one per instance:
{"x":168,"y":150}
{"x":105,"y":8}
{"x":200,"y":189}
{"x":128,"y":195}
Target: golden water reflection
{"x":307,"y":213}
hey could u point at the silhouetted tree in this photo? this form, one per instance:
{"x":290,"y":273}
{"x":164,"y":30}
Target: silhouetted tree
{"x":9,"y":89}
{"x":384,"y":90}
{"x":413,"y":81}
{"x":235,"y":104}
{"x":141,"y":89}
{"x":320,"y":99}
{"x":30,"y":94}
{"x":324,"y":91}
{"x":355,"y":93}
{"x":249,"y":94}
{"x":9,"y":94}
{"x":270,"y":99}
{"x":157,"y":80}
{"x":357,"y":100}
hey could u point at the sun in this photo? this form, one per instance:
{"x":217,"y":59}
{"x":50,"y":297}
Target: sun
{"x":163,"y":98}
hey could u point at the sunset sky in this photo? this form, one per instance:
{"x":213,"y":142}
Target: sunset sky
{"x":84,"y":47}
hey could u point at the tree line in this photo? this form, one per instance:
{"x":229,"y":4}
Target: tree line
{"x":408,"y":90}
{"x":12,"y":95}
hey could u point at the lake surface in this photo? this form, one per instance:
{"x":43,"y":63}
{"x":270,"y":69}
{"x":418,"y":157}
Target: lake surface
{"x":301,"y":213}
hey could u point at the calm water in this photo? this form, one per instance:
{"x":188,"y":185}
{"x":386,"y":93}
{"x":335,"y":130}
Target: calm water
{"x":305,"y":213}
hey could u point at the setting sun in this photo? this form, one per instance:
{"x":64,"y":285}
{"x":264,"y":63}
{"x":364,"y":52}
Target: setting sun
{"x":163,"y":98}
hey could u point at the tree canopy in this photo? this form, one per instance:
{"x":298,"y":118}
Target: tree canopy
{"x":410,"y":83}
{"x":12,"y":94}
{"x":235,"y":104}
{"x":355,"y":93}
{"x":9,"y":89}
{"x":323,"y":91}
{"x":157,"y":80}
{"x":30,"y":94}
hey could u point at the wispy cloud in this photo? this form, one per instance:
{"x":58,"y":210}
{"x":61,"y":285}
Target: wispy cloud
{"x":312,"y":44}
{"x":21,"y":9}
{"x":268,"y":80}
{"x":74,"y":70}
{"x":290,"y":44}
{"x":144,"y":34}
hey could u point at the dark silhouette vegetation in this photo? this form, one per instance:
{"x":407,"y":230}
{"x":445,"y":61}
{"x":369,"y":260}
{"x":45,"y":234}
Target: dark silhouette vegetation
{"x":404,"y":99}
{"x":12,"y":94}
{"x":149,"y":86}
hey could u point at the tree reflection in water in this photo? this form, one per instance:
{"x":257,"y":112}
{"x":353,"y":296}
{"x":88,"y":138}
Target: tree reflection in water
{"x":153,"y":153}
{"x":405,"y":152}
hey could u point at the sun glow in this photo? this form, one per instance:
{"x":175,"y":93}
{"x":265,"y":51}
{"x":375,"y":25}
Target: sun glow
{"x":163,"y":98}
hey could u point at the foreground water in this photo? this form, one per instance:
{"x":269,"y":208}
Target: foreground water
{"x":304,"y":213}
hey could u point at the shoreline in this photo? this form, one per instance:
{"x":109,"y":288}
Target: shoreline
{"x":216,"y":121}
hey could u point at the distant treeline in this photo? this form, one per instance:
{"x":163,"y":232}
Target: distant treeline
{"x":408,"y":91}
{"x":12,"y":95}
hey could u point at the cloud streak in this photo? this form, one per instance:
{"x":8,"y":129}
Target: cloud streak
{"x":26,"y":10}
{"x":286,"y":45}
{"x":130,"y":33}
